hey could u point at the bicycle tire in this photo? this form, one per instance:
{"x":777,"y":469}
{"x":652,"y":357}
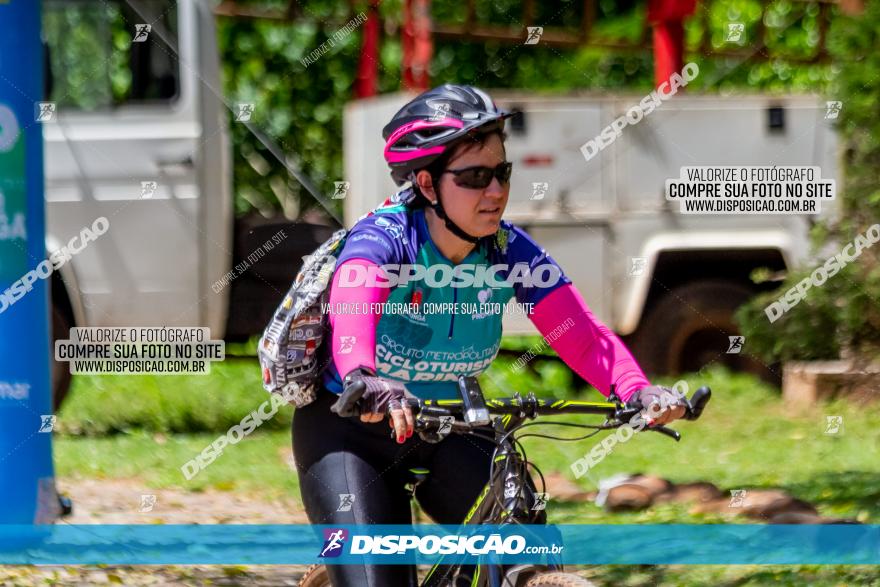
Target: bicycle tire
{"x":315,"y":576}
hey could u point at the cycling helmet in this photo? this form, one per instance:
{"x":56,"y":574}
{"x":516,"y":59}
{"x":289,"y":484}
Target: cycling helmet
{"x":432,"y":124}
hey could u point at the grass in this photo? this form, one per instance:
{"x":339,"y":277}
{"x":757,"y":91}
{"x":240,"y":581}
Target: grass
{"x":747,"y":438}
{"x":109,"y":404}
{"x":254,"y":465}
{"x":735,"y":576}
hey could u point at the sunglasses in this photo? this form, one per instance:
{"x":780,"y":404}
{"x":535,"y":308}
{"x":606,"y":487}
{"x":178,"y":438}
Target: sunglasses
{"x":479,"y":177}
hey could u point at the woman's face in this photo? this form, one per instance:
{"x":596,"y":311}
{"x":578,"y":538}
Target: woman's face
{"x":476,"y":211}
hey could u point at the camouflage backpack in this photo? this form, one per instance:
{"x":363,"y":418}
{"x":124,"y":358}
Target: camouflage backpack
{"x":289,"y":348}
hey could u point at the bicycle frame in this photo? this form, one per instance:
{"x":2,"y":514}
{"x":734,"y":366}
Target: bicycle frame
{"x":496,"y":504}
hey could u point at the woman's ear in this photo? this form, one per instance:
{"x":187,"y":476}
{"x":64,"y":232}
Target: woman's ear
{"x":426,"y":185}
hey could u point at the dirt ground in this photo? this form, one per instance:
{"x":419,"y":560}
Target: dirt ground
{"x":106,"y":501}
{"x":120,"y":502}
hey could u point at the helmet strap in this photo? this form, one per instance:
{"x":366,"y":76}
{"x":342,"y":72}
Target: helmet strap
{"x":453,"y":227}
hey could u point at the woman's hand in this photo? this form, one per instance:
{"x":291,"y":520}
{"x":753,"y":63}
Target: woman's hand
{"x":380,"y":397}
{"x":661,"y":404}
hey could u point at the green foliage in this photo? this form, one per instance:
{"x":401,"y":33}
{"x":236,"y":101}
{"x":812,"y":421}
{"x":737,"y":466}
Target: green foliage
{"x":89,"y":68}
{"x":298,"y":105}
{"x":791,"y":32}
{"x":92,"y":60}
{"x":810,"y":330}
{"x":845,"y":311}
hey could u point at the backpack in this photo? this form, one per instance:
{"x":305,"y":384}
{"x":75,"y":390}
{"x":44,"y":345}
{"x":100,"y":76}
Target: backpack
{"x":290,"y":352}
{"x":290,"y":348}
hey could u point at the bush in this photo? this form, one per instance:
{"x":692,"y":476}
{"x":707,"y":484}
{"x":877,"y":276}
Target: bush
{"x":844,"y":313}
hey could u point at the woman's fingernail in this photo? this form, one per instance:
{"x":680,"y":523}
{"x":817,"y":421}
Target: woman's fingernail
{"x":409,"y":433}
{"x":400,"y":439}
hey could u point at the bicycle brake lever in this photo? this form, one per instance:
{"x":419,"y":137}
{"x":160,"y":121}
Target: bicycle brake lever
{"x":425,"y":432}
{"x":673,"y":434}
{"x":627,"y":414}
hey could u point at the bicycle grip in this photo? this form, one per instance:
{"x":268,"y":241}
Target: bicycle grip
{"x":697,"y":403}
{"x":346,"y":405}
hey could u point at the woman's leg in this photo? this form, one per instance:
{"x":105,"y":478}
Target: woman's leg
{"x":336,"y":456}
{"x":459,"y":468}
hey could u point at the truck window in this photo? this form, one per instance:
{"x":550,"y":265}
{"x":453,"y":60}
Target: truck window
{"x":95,"y":62}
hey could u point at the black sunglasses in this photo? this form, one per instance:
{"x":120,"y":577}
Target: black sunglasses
{"x":479,"y":177}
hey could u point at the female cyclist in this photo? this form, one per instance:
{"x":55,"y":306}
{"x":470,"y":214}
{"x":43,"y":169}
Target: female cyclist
{"x":449,"y":143}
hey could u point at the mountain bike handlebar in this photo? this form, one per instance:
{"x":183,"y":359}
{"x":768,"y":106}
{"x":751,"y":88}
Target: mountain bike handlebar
{"x":474,"y":410}
{"x":430,"y":411}
{"x":531,"y":406}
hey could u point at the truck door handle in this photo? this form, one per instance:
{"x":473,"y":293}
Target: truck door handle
{"x":185,"y":162}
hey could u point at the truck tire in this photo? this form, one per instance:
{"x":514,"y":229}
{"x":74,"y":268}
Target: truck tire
{"x":61,"y":377}
{"x":558,"y":580}
{"x":688,"y":328}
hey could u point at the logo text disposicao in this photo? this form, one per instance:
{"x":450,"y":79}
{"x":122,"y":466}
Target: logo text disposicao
{"x":432,"y":544}
{"x":441,"y":275}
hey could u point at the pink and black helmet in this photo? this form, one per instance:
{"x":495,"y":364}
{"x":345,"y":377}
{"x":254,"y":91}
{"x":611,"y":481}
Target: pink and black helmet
{"x":433,"y":122}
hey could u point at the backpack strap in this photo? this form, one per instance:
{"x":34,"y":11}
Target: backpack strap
{"x":288,"y":348}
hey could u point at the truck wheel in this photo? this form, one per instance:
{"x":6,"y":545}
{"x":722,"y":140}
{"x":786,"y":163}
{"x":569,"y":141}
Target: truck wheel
{"x":60,"y":370}
{"x":315,"y":576}
{"x":558,"y":580}
{"x":689,"y":327}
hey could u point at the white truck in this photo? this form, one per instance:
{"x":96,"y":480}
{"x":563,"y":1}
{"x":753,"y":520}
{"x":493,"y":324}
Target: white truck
{"x":140,"y":136}
{"x":668,"y":282}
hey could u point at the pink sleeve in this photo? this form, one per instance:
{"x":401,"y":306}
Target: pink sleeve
{"x":585,"y":344}
{"x":358,"y":322}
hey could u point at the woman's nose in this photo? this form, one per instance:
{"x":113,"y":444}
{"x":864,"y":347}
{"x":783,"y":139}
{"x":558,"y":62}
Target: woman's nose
{"x":495,"y":189}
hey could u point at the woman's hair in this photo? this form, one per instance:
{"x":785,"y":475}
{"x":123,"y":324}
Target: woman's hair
{"x":436,"y":168}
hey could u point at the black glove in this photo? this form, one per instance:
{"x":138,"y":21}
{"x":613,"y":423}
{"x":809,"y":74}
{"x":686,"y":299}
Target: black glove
{"x":365,"y":393}
{"x":654,"y":400}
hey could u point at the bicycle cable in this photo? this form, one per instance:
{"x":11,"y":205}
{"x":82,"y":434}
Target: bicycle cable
{"x":525,"y":462}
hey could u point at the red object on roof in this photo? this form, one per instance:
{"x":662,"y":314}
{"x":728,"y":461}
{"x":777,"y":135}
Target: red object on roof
{"x":537,"y":160}
{"x":659,"y":10}
{"x":418,"y":48}
{"x":366,"y":83}
{"x":666,"y":18}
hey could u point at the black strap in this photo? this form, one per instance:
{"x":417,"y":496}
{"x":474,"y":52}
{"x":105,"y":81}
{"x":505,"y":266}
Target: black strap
{"x":453,"y":227}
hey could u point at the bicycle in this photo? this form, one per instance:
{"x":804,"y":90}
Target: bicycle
{"x":508,"y":497}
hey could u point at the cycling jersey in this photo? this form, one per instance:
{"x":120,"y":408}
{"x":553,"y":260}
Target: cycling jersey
{"x":427,"y":349}
{"x":431,"y":332}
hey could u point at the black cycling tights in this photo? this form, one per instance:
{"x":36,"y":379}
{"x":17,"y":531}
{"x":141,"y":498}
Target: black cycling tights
{"x":344,"y":455}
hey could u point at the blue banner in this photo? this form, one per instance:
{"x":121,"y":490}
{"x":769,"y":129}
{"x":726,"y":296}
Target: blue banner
{"x":27,"y":486}
{"x":428,"y":544}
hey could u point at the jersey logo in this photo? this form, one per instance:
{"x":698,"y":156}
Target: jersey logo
{"x":392,"y":228}
{"x":501,"y":238}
